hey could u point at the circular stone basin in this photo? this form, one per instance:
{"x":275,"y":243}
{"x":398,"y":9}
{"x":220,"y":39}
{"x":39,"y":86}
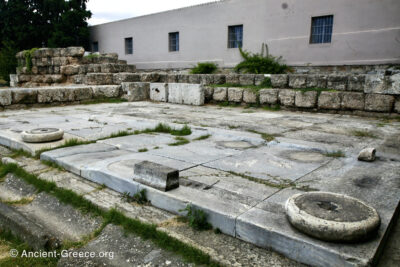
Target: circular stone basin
{"x":307,"y":156}
{"x":41,"y":135}
{"x":236,"y":144}
{"x":332,"y":217}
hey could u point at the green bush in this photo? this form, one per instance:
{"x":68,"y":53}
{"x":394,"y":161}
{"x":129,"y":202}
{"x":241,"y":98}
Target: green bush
{"x":8,"y":62}
{"x":197,"y":218}
{"x":204,"y":68}
{"x":260,"y":64}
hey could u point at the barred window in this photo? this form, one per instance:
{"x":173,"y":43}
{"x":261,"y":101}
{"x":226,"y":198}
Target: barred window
{"x":95,"y":47}
{"x":173,"y":41}
{"x":321,"y":29}
{"x":128,"y":46}
{"x":235,"y":36}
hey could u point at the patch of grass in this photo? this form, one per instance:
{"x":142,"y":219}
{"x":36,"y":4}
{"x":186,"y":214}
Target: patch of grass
{"x":103,"y":100}
{"x":267,"y":137}
{"x":53,"y":165}
{"x":156,"y":147}
{"x":335,"y":154}
{"x":204,"y":68}
{"x":164,"y":128}
{"x":248,"y":111}
{"x":101,"y":187}
{"x":118,"y":134}
{"x":228,"y":104}
{"x":203,"y":137}
{"x":143,"y":150}
{"x":196,"y":218}
{"x":363,"y":133}
{"x":217,"y":231}
{"x":144,"y":230}
{"x":180,"y":141}
{"x":22,"y":201}
{"x":139,"y":197}
{"x":275,"y":107}
{"x":20,"y":153}
{"x":233,"y":127}
{"x":92,"y":56}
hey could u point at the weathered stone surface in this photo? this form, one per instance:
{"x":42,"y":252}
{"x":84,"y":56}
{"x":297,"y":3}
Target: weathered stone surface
{"x":337,"y":82}
{"x":375,"y":83}
{"x":74,"y":52}
{"x":235,"y":94}
{"x":397,"y":106}
{"x":150,"y":77}
{"x":206,"y":79}
{"x":219,"y":79}
{"x":232,"y":78}
{"x":297,"y":81}
{"x":269,"y":96}
{"x":353,"y":101}
{"x":83,"y":93}
{"x":13,"y":80}
{"x":24,"y":96}
{"x":220,"y":94}
{"x":287,"y":97}
{"x":135,"y":91}
{"x":99,"y":78}
{"x":329,"y":100}
{"x":93,"y":68}
{"x":49,"y":95}
{"x":185,"y":93}
{"x":109,"y":68}
{"x":306,"y":99}
{"x":367,"y":154}
{"x":246,"y":79}
{"x":119,"y":78}
{"x":316,"y":81}
{"x":356,"y":83}
{"x":194,"y":78}
{"x":393,"y":84}
{"x":279,"y":80}
{"x":249,"y":97}
{"x":42,"y":135}
{"x":183,"y":78}
{"x":172,"y":78}
{"x":208,"y":92}
{"x":106,"y":91}
{"x":5,"y":97}
{"x":378,"y":102}
{"x":70,"y":69}
{"x":78,"y":79}
{"x":156,"y":175}
{"x":159,"y":92}
{"x":24,"y":78}
{"x":258,"y":79}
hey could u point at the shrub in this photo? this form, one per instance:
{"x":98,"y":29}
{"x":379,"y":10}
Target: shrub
{"x":204,"y":68}
{"x":8,"y":62}
{"x":259,"y":64}
{"x":197,"y":218}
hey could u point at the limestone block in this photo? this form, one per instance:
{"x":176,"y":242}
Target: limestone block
{"x":172,"y":78}
{"x":82,"y":93}
{"x":24,"y":96}
{"x":219,"y":79}
{"x":156,"y":175}
{"x":352,"y":100}
{"x":297,"y":81}
{"x":249,"y":97}
{"x":287,"y":97}
{"x":185,"y":93}
{"x":99,"y":78}
{"x":220,"y":94}
{"x":130,"y":68}
{"x":367,"y":154}
{"x":5,"y":97}
{"x":135,"y":91}
{"x":393,"y":84}
{"x":397,"y":106}
{"x":356,"y":83}
{"x":163,"y":77}
{"x":24,"y":78}
{"x":375,"y":83}
{"x":306,"y":99}
{"x":119,"y":78}
{"x":159,"y":92}
{"x":55,"y":78}
{"x":73,"y":61}
{"x":378,"y":102}
{"x":74,"y":51}
{"x":106,"y":91}
{"x":93,"y":68}
{"x":329,"y":100}
{"x":246,"y":79}
{"x":337,"y":82}
{"x":194,"y":78}
{"x":269,"y":96}
{"x":13,"y":80}
{"x":78,"y":79}
{"x":316,"y":81}
{"x":232,"y":78}
{"x":83,"y":69}
{"x":206,"y":79}
{"x":208,"y":92}
{"x":183,"y":78}
{"x":151,"y":77}
{"x":235,"y":94}
{"x":279,"y":80}
{"x":109,"y":68}
{"x":49,"y":95}
{"x":258,"y":79}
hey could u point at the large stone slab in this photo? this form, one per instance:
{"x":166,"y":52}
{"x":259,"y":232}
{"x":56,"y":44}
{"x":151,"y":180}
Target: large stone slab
{"x":156,"y":175}
{"x":185,"y":93}
{"x":135,"y":91}
{"x":138,"y":142}
{"x":159,"y":92}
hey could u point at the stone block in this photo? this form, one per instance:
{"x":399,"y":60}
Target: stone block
{"x":24,"y":96}
{"x":220,"y":94}
{"x":172,"y":78}
{"x":249,"y":97}
{"x":185,"y":93}
{"x":287,"y":97}
{"x":69,"y":69}
{"x":397,"y":106}
{"x":109,"y":68}
{"x":106,"y":91}
{"x":269,"y":96}
{"x":99,"y":78}
{"x":330,"y":100}
{"x":297,"y":81}
{"x":356,"y":83}
{"x":74,"y":51}
{"x":93,"y":68}
{"x":5,"y":97}
{"x":13,"y":80}
{"x":258,"y":79}
{"x":208,"y":92}
{"x":135,"y":91}
{"x":55,"y":78}
{"x":194,"y":78}
{"x":219,"y":79}
{"x":49,"y":95}
{"x":246,"y":79}
{"x":206,"y":79}
{"x":151,"y":77}
{"x":316,"y":81}
{"x":182,"y":78}
{"x":163,"y":78}
{"x":24,"y":78}
{"x":375,"y":83}
{"x":78,"y":79}
{"x":353,"y":100}
{"x":232,"y":78}
{"x":337,"y":82}
{"x":378,"y":102}
{"x":156,"y":175}
{"x":279,"y":80}
{"x":393,"y":84}
{"x":82,"y":93}
{"x":71,"y":61}
{"x":235,"y":94}
{"x":159,"y":92}
{"x":119,"y":78}
{"x":130,"y":68}
{"x":306,"y":99}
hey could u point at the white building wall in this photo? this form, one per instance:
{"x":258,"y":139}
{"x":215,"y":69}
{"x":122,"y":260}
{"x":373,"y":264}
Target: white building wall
{"x":364,"y":32}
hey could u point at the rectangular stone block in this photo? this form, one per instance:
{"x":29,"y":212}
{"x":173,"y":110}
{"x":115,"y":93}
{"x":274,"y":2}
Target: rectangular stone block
{"x":24,"y":96}
{"x":172,"y":78}
{"x":393,"y":84}
{"x":329,"y":100}
{"x":93,"y":68}
{"x":119,"y":78}
{"x":375,"y":84}
{"x":235,"y":94}
{"x":246,"y":79}
{"x":49,"y":95}
{"x":316,"y":81}
{"x":159,"y":92}
{"x":5,"y":97}
{"x":269,"y":96}
{"x":219,"y":79}
{"x":337,"y":82}
{"x":99,"y":78}
{"x":220,"y":94}
{"x":185,"y":93}
{"x":82,"y":93}
{"x":249,"y":97}
{"x":297,"y":81}
{"x":356,"y":83}
{"x":287,"y":97}
{"x":182,"y":78}
{"x":306,"y":99}
{"x":378,"y":102}
{"x":106,"y":91}
{"x":69,"y":70}
{"x":258,"y":79}
{"x":135,"y":91}
{"x":194,"y":78}
{"x":156,"y":175}
{"x":397,"y":106}
{"x":279,"y":80}
{"x":208,"y":92}
{"x":109,"y":68}
{"x":151,"y":77}
{"x":352,"y":100}
{"x":232,"y":78}
{"x":206,"y":79}
{"x":13,"y":80}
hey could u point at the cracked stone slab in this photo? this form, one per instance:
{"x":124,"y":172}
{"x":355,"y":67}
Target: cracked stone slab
{"x":14,"y":189}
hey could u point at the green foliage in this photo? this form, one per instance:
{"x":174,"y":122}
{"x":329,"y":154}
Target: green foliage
{"x":258,"y":64}
{"x":143,"y":150}
{"x":197,"y":218}
{"x":203,"y":137}
{"x":180,"y":141}
{"x":204,"y":68}
{"x":164,"y":128}
{"x":363,"y":133}
{"x":266,"y":136}
{"x":139,"y":197}
{"x":91,"y":55}
{"x":28,"y":54}
{"x":8,"y":62}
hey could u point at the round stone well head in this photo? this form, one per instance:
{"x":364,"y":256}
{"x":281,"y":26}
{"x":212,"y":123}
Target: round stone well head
{"x":42,"y":135}
{"x":236,"y":144}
